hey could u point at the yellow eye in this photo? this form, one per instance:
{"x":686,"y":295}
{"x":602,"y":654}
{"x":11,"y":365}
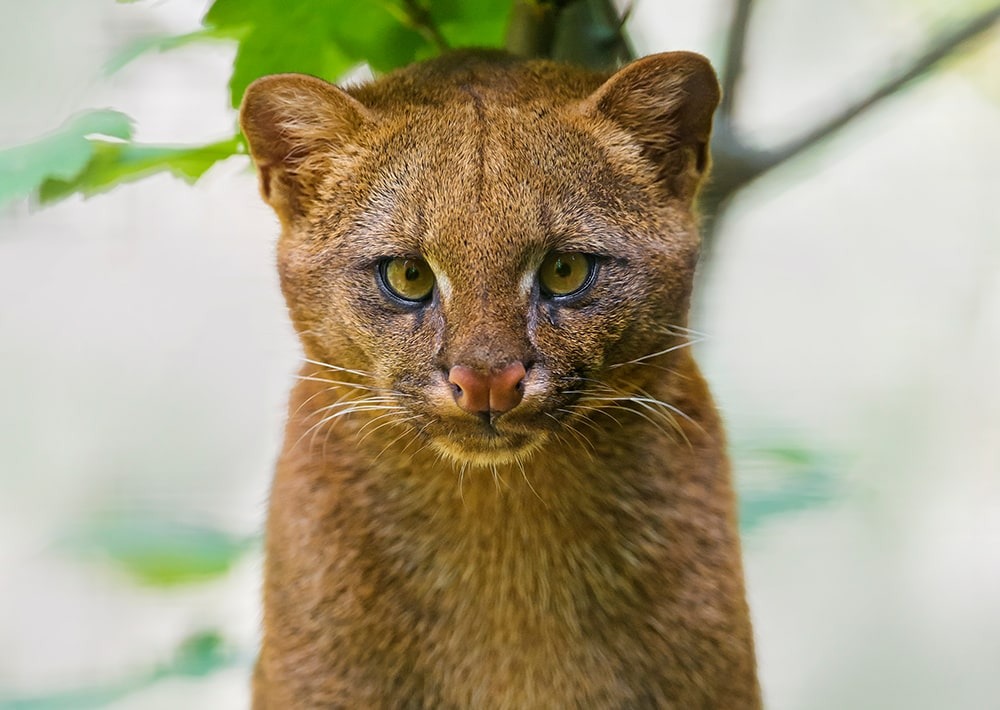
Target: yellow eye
{"x":565,"y":273}
{"x":408,"y":279}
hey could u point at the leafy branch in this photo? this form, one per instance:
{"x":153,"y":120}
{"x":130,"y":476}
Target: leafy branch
{"x":328,"y":37}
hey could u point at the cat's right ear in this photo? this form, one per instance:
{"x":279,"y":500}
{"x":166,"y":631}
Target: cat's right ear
{"x":291,"y":123}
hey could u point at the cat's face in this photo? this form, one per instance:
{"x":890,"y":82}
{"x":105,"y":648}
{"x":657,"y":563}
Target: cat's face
{"x":489,"y":266}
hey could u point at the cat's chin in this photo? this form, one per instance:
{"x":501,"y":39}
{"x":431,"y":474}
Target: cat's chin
{"x":493,"y":451}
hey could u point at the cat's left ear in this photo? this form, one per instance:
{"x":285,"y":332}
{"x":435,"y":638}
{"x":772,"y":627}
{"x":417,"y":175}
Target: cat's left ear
{"x":665,"y":102}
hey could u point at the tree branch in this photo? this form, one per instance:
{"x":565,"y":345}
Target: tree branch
{"x":735,"y":164}
{"x":584,"y":32}
{"x":732,"y":69}
{"x":937,"y":50}
{"x":591,"y":33}
{"x":420,"y":19}
{"x":531,"y":30}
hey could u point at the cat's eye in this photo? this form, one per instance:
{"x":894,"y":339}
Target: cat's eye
{"x":565,"y":273}
{"x":407,"y":279}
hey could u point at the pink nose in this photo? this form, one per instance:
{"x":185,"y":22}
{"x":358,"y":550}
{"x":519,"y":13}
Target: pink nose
{"x":497,"y":392}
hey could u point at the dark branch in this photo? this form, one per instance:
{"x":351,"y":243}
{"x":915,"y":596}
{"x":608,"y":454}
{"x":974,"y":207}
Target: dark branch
{"x":531,"y":30}
{"x":735,"y":163}
{"x":591,"y":33}
{"x":940,"y":49}
{"x":732,"y":69}
{"x":585,"y":32}
{"x":420,"y":19}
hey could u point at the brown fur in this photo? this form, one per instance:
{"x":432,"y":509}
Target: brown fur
{"x":581,"y":552}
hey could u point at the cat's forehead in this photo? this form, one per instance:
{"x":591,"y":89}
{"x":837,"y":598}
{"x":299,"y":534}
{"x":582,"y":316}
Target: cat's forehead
{"x":494,"y":180}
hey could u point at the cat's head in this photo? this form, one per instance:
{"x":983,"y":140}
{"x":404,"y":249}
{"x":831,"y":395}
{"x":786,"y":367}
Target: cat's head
{"x":484,"y":242}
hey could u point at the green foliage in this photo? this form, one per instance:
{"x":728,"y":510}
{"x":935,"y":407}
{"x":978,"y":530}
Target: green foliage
{"x":200,"y":655}
{"x":62,"y":155}
{"x":801,"y":479}
{"x":158,"y":551}
{"x":472,"y":24}
{"x":115,"y":163}
{"x":326,"y":38}
{"x":79,"y":157}
{"x":160,"y":43}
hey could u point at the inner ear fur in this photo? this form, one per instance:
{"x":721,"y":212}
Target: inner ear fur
{"x":289,"y":120}
{"x":665,"y":102}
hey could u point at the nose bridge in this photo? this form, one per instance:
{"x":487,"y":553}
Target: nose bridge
{"x":486,"y":328}
{"x":478,"y":245}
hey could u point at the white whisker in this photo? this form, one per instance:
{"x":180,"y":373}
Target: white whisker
{"x":524,"y":475}
{"x":338,"y":368}
{"x":639,"y":360}
{"x":354,"y":385}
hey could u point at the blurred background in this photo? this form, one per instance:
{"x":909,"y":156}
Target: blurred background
{"x":851,"y":312}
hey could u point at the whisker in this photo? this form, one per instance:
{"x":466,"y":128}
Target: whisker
{"x":592,"y":408}
{"x":682,"y":330}
{"x":524,"y":475}
{"x":642,"y":414}
{"x":313,"y":396}
{"x":645,"y":402}
{"x":338,"y":368}
{"x":636,"y":361}
{"x":582,"y":419}
{"x":352,"y":407}
{"x":676,"y":410}
{"x":353,"y":385}
{"x":383,"y":424}
{"x":498,"y":479}
{"x":389,"y":445}
{"x":416,"y":434}
{"x":568,"y":427}
{"x":367,"y":401}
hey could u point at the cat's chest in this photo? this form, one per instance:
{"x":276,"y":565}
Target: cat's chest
{"x":516,"y":616}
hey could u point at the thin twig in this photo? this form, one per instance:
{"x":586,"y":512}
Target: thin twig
{"x":732,"y":69}
{"x":936,"y":51}
{"x":736,"y":163}
{"x":420,"y":19}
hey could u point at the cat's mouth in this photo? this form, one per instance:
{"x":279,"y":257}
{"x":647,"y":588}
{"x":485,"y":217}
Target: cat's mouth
{"x":490,"y":446}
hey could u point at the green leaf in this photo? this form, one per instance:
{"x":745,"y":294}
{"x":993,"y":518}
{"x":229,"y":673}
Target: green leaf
{"x":802,"y":479}
{"x":114,"y":163}
{"x":478,"y":24}
{"x":61,"y":155}
{"x":158,"y":551}
{"x":201,"y":654}
{"x":161,"y":43}
{"x":324,"y":38}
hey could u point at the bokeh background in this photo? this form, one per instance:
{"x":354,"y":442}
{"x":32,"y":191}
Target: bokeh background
{"x":852,"y":319}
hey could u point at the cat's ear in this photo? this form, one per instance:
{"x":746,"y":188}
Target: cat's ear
{"x":291,"y":122}
{"x":665,"y":102}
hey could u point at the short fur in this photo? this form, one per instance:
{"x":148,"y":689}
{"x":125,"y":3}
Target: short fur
{"x":578,"y":551}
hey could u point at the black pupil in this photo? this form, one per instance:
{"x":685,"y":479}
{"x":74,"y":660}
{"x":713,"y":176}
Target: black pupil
{"x":412,"y":273}
{"x":562,"y":268}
